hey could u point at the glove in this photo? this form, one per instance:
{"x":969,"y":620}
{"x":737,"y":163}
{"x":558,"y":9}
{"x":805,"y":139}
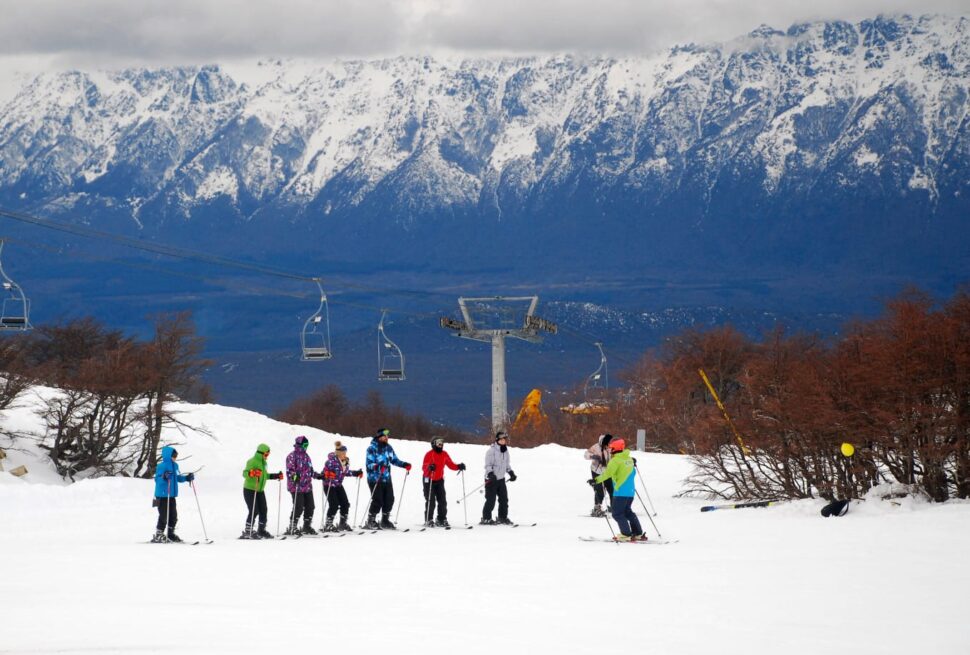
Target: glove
{"x":255,"y":473}
{"x":461,"y":467}
{"x":597,"y":459}
{"x":277,"y":476}
{"x":432,"y":467}
{"x":634,"y":460}
{"x":512,"y":476}
{"x":407,"y":466}
{"x":490,"y":478}
{"x":329,"y":475}
{"x":189,"y":477}
{"x":357,"y":474}
{"x":166,"y":476}
{"x":591,"y":482}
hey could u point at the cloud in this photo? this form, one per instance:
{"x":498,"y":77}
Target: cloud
{"x":124,"y":32}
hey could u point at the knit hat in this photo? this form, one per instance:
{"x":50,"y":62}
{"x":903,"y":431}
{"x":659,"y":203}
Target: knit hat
{"x":302,"y":442}
{"x":337,"y":446}
{"x":501,"y":434}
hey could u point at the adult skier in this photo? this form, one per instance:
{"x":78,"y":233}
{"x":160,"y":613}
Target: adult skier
{"x":334,"y":472}
{"x":622,"y":470}
{"x":433,"y":471}
{"x":599,"y":456}
{"x":497,"y":465}
{"x":167,"y":477}
{"x":254,"y":483}
{"x":380,"y":457}
{"x":299,"y":482}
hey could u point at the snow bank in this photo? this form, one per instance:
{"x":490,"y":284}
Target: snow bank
{"x":78,"y":577}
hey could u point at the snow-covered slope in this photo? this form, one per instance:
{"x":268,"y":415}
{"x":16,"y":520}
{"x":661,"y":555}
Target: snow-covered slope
{"x":827,"y":118}
{"x":77,"y":577}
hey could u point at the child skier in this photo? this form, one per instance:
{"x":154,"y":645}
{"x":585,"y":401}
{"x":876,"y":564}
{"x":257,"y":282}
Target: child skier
{"x":167,"y":477}
{"x":299,"y":482}
{"x":497,"y":465}
{"x":255,"y":477}
{"x":622,"y":471}
{"x":433,"y":470}
{"x":599,"y":456}
{"x":334,"y":472}
{"x":380,"y":456}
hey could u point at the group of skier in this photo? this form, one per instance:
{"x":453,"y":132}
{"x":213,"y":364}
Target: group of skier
{"x":612,"y":467}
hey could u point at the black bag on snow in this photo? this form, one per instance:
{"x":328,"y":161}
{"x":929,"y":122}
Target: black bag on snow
{"x":836,"y":508}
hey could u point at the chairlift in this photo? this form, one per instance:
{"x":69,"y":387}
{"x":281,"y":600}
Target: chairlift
{"x":15,"y":310}
{"x":315,"y":337}
{"x":598,"y":379}
{"x":390,"y":359}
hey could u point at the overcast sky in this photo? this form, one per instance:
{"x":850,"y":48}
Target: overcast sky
{"x":118,"y":33}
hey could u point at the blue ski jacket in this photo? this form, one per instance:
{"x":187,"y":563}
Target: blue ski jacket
{"x":380,"y":456}
{"x":167,"y":488}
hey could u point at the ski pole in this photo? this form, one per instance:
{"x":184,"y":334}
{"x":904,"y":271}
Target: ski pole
{"x":326,"y":500}
{"x":470,"y":492}
{"x":427,"y":500}
{"x":296,"y":499}
{"x":370,"y":501}
{"x":357,"y":500}
{"x":252,"y":510}
{"x":610,"y":526}
{"x":403,"y":484}
{"x":644,"y":486}
{"x":168,"y":514}
{"x":465,"y":506}
{"x":196,"y":494}
{"x":648,"y":514}
{"x":279,"y":504}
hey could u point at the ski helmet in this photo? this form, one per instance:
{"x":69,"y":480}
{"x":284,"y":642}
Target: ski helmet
{"x":383,"y":432}
{"x":302,"y":442}
{"x":617,"y":445}
{"x":501,"y":434}
{"x":437,"y":442}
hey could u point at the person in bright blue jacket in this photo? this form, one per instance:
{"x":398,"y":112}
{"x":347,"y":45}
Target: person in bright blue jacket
{"x":167,"y":477}
{"x":380,"y":457}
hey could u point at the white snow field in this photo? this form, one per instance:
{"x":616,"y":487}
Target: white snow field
{"x":78,"y":576}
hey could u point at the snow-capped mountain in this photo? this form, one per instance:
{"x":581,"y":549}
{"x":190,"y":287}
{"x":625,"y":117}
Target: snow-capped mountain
{"x":831,"y":141}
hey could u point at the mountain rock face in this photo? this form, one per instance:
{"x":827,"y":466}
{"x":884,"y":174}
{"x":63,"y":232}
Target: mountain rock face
{"x":845,"y":145}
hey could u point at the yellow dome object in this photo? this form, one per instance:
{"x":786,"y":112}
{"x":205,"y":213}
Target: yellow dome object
{"x":848,"y":449}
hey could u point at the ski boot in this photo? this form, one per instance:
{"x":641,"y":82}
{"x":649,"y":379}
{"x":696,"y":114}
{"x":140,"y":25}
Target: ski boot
{"x":623,"y":538}
{"x":249,"y":533}
{"x":292,"y":530}
{"x":487,"y":520}
{"x":372,"y":523}
{"x":442,"y":523}
{"x":173,"y":537}
{"x":598,"y":512}
{"x":329,"y":526}
{"x":505,"y":521}
{"x":429,"y":524}
{"x":386,"y":523}
{"x":159,"y":537}
{"x":343,"y":526}
{"x":262,"y":533}
{"x":638,"y":537}
{"x":308,"y":530}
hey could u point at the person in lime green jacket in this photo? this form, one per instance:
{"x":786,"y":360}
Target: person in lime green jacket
{"x":622,"y":470}
{"x":254,"y":482}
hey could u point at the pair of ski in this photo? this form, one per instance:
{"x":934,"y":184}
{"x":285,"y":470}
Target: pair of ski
{"x":511,"y":525}
{"x":641,"y":542}
{"x":183,"y":543}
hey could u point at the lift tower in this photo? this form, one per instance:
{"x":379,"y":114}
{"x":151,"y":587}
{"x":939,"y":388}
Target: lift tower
{"x":493,"y":320}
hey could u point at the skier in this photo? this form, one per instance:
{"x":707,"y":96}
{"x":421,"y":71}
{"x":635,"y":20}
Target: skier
{"x":299,"y":482}
{"x":622,"y":471}
{"x":599,"y":456}
{"x":167,"y":477}
{"x":255,"y":477}
{"x":496,"y":467}
{"x":334,"y":472}
{"x":380,"y":456}
{"x":433,"y":470}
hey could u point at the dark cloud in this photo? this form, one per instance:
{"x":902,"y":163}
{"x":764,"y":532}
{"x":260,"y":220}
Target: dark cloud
{"x":125,"y":31}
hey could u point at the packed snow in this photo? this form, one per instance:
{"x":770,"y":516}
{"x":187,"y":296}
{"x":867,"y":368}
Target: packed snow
{"x":79,"y":575}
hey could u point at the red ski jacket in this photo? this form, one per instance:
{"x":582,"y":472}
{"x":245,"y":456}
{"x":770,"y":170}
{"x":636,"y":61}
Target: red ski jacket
{"x":440,"y":461}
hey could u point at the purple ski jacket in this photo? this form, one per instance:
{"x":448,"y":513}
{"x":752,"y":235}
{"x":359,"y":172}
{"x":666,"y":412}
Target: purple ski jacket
{"x":299,"y":462}
{"x":339,"y":471}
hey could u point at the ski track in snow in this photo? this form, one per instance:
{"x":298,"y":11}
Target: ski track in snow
{"x":76,"y":579}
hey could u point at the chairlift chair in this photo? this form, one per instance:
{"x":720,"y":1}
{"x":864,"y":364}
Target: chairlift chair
{"x":315,"y":337}
{"x":390,"y":359}
{"x":15,"y":310}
